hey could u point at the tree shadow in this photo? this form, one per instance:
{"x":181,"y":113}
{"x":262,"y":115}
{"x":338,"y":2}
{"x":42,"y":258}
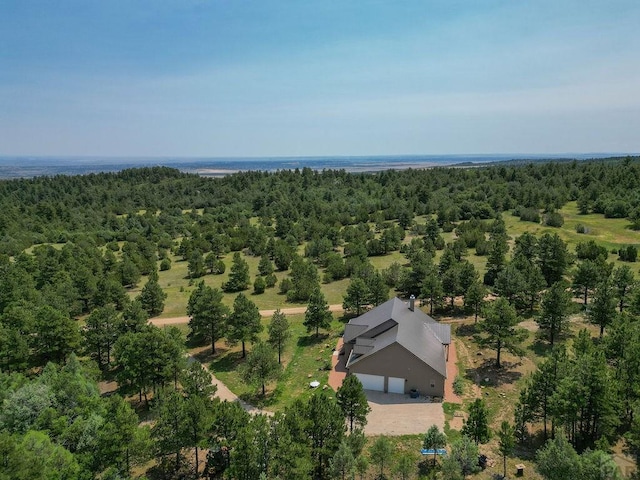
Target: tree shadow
{"x":310,"y":340}
{"x":496,"y":376}
{"x":427,"y":469}
{"x":256,"y":398}
{"x":226,"y":363}
{"x":467,"y":330}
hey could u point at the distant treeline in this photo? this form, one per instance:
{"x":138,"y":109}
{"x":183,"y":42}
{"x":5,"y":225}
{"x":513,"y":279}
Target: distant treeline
{"x":107,"y":206}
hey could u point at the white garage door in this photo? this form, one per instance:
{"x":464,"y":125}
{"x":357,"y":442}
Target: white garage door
{"x":396,"y":385}
{"x":371,"y":382}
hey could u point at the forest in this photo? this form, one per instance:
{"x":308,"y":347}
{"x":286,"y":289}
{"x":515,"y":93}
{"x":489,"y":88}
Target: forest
{"x":533,"y":264}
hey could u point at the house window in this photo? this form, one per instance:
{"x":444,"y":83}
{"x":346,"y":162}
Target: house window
{"x":433,"y":384}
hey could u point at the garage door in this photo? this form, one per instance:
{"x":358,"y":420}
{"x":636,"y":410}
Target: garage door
{"x":371,"y":382}
{"x":396,"y":385}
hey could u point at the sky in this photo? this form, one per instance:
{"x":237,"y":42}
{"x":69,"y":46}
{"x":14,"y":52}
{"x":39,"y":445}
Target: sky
{"x":227,"y":78}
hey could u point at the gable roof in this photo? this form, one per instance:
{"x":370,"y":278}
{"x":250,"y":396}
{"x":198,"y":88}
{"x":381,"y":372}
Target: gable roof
{"x":394,"y":322}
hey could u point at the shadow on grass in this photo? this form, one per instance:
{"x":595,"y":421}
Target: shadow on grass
{"x":427,"y":469}
{"x":541,"y":345}
{"x":467,"y":330}
{"x":310,"y":340}
{"x":497,"y":376}
{"x":226,"y":363}
{"x":258,"y":400}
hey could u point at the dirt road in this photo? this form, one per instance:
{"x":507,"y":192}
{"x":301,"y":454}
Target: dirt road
{"x":159,"y":322}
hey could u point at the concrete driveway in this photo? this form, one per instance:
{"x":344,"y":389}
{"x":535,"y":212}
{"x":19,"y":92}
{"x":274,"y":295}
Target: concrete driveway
{"x":396,"y":414}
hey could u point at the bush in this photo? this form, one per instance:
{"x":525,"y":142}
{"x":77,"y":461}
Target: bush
{"x":458,"y":386}
{"x":165,"y":265}
{"x":482,"y":248}
{"x":271,"y":280}
{"x":553,"y":219}
{"x":580,"y":228}
{"x":259,"y":285}
{"x":529,"y":215}
{"x":628,"y":254}
{"x":285,"y":285}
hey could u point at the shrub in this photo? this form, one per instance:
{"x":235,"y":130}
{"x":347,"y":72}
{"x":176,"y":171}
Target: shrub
{"x":580,"y":228}
{"x":271,"y":280}
{"x":259,"y":285}
{"x":482,"y":248}
{"x":529,"y":215}
{"x":553,"y":219}
{"x":165,"y":265}
{"x":285,"y":285}
{"x":458,"y":386}
{"x":628,"y":254}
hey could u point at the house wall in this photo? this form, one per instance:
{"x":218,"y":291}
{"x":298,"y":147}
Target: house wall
{"x":396,"y":361}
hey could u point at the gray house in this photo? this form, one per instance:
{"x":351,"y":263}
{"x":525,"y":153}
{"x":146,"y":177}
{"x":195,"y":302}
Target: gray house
{"x":397,"y":348}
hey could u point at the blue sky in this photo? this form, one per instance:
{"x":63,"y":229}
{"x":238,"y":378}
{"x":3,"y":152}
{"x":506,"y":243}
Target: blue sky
{"x":299,"y":77}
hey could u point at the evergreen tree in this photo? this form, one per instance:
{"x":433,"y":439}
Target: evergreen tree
{"x":261,"y":366}
{"x":152,"y":296}
{"x":244,"y":322}
{"x":585,"y":279}
{"x":474,"y":297}
{"x":500,"y":327}
{"x":380,"y":453}
{"x":433,"y":440}
{"x":265,"y":267}
{"x":405,"y":466}
{"x":356,"y":297}
{"x":555,"y":310}
{"x":238,"y":276}
{"x":557,"y":460}
{"x":553,"y":257}
{"x":353,"y":402}
{"x":476,"y":426}
{"x":603,"y":307}
{"x":498,"y":248}
{"x":622,"y":282}
{"x":279,"y":332}
{"x":317,"y":315}
{"x":208,"y":314}
{"x":506,"y":444}
{"x":432,"y":290}
{"x":57,"y":335}
{"x":304,"y":280}
{"x":100,"y":333}
{"x":196,"y":264}
{"x":378,"y":289}
{"x":342,"y":465}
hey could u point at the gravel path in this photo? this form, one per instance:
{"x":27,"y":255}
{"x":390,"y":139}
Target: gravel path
{"x":159,"y":322}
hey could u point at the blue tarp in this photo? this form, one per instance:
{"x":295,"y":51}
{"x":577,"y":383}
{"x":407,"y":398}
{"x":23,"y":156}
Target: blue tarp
{"x":430,"y":451}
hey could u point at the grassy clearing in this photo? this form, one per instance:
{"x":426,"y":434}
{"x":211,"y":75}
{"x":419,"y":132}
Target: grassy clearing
{"x":305,"y":359}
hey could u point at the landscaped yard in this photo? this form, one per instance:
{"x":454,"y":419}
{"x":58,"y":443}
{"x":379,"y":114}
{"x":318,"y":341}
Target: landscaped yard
{"x":305,"y":358}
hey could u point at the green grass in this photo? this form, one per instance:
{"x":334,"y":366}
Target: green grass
{"x":305,"y":358}
{"x":608,"y":232}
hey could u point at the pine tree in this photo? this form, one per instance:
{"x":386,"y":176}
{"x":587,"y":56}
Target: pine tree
{"x":317,"y":315}
{"x":279,"y":332}
{"x":244,"y":322}
{"x":433,"y":440}
{"x":238,"y":276}
{"x":208,"y":314}
{"x":261,"y":366}
{"x":501,"y":329}
{"x":353,"y":402}
{"x":477,"y":425}
{"x":152,"y":296}
{"x":555,"y":310}
{"x":506,"y":444}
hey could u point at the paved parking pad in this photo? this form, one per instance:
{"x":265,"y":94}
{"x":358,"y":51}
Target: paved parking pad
{"x":396,"y":414}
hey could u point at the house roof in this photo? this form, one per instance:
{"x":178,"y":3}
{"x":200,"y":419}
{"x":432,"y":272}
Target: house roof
{"x":393,"y":321}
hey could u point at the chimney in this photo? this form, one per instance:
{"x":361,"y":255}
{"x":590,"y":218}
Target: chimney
{"x":412,"y":302}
